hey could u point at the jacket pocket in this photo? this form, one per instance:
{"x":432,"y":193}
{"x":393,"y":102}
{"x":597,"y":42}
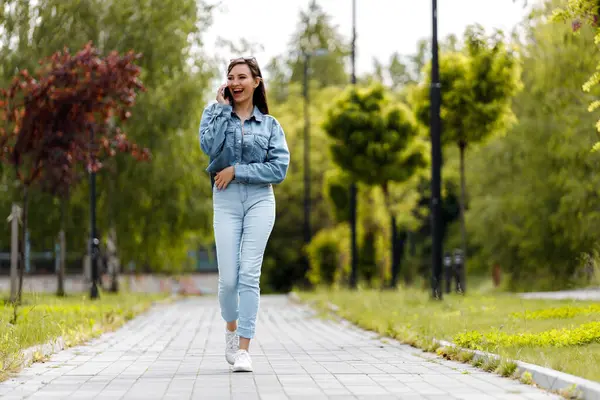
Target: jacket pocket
{"x":261,"y":146}
{"x":230,"y":136}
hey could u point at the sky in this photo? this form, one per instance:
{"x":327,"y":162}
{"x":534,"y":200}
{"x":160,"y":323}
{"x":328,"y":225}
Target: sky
{"x":383,"y":26}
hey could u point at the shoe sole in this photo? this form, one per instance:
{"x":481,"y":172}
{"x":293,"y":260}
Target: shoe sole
{"x":238,"y":369}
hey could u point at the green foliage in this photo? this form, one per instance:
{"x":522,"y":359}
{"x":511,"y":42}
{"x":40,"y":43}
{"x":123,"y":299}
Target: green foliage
{"x":454,"y":69}
{"x":160,"y":209}
{"x":559,"y":312}
{"x":582,"y":335}
{"x":372,"y":224}
{"x":336,"y":187}
{"x":329,"y":254}
{"x":373,"y":233}
{"x":534,"y":210}
{"x":578,"y":13}
{"x":317,"y":37}
{"x":526,"y":378}
{"x":490,"y":364}
{"x":284,"y":264}
{"x":373,"y":139}
{"x":316,"y":32}
{"x":571,"y":392}
{"x":478,"y":83}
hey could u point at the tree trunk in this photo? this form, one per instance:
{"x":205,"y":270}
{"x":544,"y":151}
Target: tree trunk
{"x":395,"y":270}
{"x":24,"y":241}
{"x":401,"y":239}
{"x":395,"y":260}
{"x":408,"y":243}
{"x":60,"y":291}
{"x":463,"y":226}
{"x":14,"y":252}
{"x":113,"y":260}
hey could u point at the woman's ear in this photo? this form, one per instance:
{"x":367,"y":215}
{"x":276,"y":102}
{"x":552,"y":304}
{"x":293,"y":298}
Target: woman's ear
{"x":257,"y":81}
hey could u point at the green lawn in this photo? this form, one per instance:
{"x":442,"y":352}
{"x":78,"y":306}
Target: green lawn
{"x":44,"y":317}
{"x":563,"y":335}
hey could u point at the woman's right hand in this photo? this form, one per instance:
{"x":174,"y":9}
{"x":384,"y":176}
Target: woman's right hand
{"x":221,"y":95}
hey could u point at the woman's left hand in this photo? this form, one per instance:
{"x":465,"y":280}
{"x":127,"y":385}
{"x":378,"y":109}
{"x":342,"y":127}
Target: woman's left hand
{"x":223,"y":177}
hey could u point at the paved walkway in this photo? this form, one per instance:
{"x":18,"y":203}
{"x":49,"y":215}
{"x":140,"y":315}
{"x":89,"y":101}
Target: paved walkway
{"x":176,"y":352}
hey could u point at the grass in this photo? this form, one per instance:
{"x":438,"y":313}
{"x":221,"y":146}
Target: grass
{"x":562,"y":335}
{"x":43,"y":317}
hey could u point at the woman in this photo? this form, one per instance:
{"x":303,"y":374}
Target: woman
{"x":248,"y":153}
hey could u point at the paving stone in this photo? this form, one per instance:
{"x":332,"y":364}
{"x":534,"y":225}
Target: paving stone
{"x":176,"y":352}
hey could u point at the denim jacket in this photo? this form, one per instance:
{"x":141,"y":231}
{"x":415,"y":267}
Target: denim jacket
{"x":258,"y":150}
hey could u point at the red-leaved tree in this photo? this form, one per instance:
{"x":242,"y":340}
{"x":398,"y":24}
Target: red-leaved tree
{"x":67,"y":116}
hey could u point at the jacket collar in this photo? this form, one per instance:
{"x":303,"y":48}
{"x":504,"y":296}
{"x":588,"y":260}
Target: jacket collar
{"x":257,"y":114}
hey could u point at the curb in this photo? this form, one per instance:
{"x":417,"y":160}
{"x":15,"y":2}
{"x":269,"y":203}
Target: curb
{"x":44,"y":350}
{"x":544,"y":378}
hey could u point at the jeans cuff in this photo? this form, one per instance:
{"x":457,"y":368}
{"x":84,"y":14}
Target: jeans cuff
{"x":245,"y":333}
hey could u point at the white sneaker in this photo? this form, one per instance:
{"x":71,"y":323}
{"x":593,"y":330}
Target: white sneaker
{"x":243,"y":362}
{"x":232,"y":345}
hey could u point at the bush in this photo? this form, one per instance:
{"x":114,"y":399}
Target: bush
{"x":581,"y":335}
{"x":336,"y":186}
{"x":329,"y":256}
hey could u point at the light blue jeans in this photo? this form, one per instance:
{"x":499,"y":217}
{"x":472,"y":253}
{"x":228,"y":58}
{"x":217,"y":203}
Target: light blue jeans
{"x":244,"y":215}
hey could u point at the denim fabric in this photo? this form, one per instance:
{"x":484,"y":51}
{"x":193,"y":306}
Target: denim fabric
{"x":257,"y":148}
{"x":244,"y":216}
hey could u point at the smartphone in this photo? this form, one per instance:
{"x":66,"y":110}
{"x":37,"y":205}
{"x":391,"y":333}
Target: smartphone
{"x":227,"y":94}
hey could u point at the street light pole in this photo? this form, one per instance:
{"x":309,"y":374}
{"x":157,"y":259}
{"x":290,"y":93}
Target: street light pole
{"x":307,"y":230}
{"x":354,"y":265}
{"x":436,"y":161}
{"x":94,"y":294}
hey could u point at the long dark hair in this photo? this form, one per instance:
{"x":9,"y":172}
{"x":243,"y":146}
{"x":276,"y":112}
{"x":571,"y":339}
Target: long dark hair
{"x":259,"y":98}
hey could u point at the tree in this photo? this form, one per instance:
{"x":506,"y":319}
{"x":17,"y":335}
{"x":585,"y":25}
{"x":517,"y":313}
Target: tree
{"x":279,"y":80}
{"x":284,"y":266}
{"x":49,"y":120}
{"x":376,"y":142}
{"x":397,"y":73}
{"x":535,"y":191}
{"x":159,"y":211}
{"x":59,"y":180}
{"x":578,"y":13}
{"x":315,"y":31}
{"x":478,"y":85}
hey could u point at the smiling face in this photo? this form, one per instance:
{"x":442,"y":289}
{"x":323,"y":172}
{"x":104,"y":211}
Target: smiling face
{"x":242,"y":83}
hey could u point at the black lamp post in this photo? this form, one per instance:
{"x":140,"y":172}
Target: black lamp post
{"x":436,"y":161}
{"x":354,"y":251}
{"x":94,"y":242}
